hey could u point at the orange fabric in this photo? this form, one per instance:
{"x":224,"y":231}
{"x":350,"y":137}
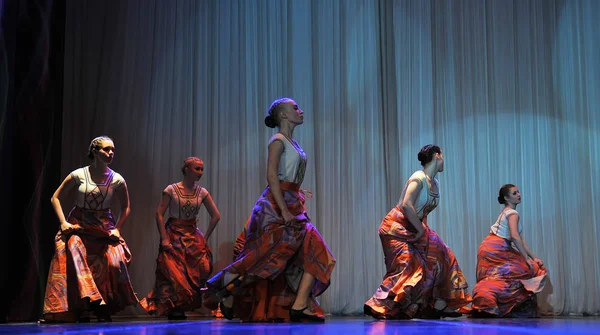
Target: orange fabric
{"x":273,"y":258}
{"x":88,"y":269}
{"x":240,"y":241}
{"x":417,"y":273}
{"x":181,"y":271}
{"x":505,"y":284}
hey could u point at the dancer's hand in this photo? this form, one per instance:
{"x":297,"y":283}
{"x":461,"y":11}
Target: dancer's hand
{"x":68,"y":228}
{"x":531,"y":264}
{"x":539,"y":262}
{"x":114,"y":234}
{"x":165,"y":244}
{"x":288,"y":218}
{"x":417,"y":237}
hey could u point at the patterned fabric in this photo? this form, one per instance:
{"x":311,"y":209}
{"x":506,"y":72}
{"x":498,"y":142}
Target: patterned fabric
{"x":88,"y":269}
{"x":95,"y":196}
{"x":505,"y":284}
{"x":273,"y":259}
{"x":183,"y":270}
{"x":500,"y":227}
{"x":185,"y":206}
{"x":292,"y":163}
{"x":427,"y":200}
{"x":417,"y":273}
{"x":238,"y":246}
{"x":180,"y":272}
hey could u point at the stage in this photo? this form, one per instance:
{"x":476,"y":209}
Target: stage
{"x":333,"y":325}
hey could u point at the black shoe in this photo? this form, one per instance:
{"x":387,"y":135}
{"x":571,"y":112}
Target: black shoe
{"x":176,"y":315}
{"x":84,"y":316}
{"x":102,"y":313}
{"x":450,"y":314}
{"x":104,"y":318}
{"x":439,"y":313}
{"x":50,"y":321}
{"x":477,"y":314}
{"x":298,"y":315}
{"x":226,"y":311}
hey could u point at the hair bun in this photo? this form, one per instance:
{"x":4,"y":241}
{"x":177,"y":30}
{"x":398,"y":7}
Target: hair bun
{"x":270,"y":121}
{"x":501,"y":199}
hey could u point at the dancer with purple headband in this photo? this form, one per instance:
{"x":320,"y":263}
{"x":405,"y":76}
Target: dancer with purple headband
{"x":284,"y":263}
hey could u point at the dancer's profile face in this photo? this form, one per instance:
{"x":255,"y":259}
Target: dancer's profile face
{"x":195,"y":170}
{"x":514,"y":196}
{"x":106,"y":153}
{"x":440,"y":159}
{"x":293,"y":113}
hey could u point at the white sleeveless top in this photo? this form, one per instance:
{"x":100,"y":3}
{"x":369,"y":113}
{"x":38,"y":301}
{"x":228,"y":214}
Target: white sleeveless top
{"x":427,"y":201}
{"x":500,"y":228}
{"x":95,"y":196}
{"x":185,"y":206}
{"x":292,"y":164}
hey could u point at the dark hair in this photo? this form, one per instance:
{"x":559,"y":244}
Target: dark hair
{"x":504,"y":192}
{"x":272,"y":118}
{"x":95,"y":145}
{"x":189,"y":161}
{"x":426,"y":154}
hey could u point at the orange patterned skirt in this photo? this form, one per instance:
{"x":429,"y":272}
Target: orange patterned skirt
{"x":88,"y":269}
{"x":272,"y":260}
{"x":181,"y":271}
{"x":417,"y":274}
{"x":505,"y":284}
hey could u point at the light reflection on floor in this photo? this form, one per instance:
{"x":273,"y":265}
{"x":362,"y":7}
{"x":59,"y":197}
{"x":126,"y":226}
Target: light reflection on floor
{"x":334,"y":325}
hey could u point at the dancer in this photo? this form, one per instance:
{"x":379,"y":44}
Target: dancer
{"x":184,"y":260}
{"x":284,"y":263}
{"x":508,"y":273}
{"x":89,"y":269}
{"x":423,"y":279}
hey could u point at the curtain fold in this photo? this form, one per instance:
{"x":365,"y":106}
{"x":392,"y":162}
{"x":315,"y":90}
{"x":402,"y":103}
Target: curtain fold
{"x":508,"y":89}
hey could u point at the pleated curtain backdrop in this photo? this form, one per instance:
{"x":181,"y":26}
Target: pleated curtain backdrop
{"x":508,"y":89}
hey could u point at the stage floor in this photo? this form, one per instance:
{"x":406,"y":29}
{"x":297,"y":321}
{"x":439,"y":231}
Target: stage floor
{"x":334,"y":325}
